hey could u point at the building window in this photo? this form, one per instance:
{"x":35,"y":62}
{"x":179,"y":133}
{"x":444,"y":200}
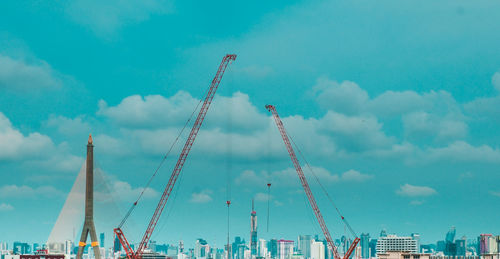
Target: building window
{"x":406,"y":256}
{"x":416,"y":257}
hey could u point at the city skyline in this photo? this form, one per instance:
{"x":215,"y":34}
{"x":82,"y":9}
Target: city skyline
{"x":394,"y":105}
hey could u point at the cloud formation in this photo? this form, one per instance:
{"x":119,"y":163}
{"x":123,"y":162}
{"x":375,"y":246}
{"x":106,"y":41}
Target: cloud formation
{"x":105,"y":18}
{"x":6,"y":207}
{"x":201,"y":197}
{"x":415,"y":191}
{"x":23,"y":76}
{"x":15,"y":145}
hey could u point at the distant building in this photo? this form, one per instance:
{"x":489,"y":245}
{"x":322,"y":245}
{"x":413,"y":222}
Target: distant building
{"x":365,"y":245}
{"x":402,"y":255}
{"x":285,"y":249}
{"x":253,"y":231}
{"x":317,"y":250}
{"x":101,"y":237}
{"x":396,"y":243}
{"x":262,"y":248}
{"x":21,"y":248}
{"x":304,"y":245}
{"x":416,"y":237}
{"x":373,"y":248}
{"x":201,"y":249}
{"x":484,"y":243}
{"x":117,"y":246}
{"x":461,"y":246}
{"x":273,"y":248}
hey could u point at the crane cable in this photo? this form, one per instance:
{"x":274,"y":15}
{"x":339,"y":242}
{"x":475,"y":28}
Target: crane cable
{"x":322,"y":187}
{"x":159,"y":166}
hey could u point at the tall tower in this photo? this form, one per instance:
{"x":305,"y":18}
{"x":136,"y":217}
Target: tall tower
{"x":88,"y":225}
{"x":253,"y":232}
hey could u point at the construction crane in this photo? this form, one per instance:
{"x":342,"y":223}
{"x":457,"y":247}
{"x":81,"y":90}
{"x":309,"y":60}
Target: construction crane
{"x":307,"y":190}
{"x":178,"y":167}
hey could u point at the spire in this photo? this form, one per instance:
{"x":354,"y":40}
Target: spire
{"x":90,"y":139}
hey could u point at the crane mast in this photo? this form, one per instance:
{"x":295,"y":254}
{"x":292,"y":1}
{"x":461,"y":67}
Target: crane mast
{"x":307,"y":190}
{"x":178,"y":166}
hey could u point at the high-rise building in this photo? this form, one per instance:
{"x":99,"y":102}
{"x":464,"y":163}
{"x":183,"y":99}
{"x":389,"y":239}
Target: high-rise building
{"x":416,"y":237}
{"x":101,"y":238}
{"x":373,"y":248}
{"x":69,"y":247}
{"x":365,"y":245}
{"x":285,"y":249}
{"x":262,"y":248}
{"x":201,"y":249}
{"x":317,"y":250}
{"x":304,"y":245}
{"x":484,"y":243}
{"x":461,"y":246}
{"x":117,"y":247}
{"x":395,"y":243}
{"x":253,"y":231}
{"x":273,"y":248}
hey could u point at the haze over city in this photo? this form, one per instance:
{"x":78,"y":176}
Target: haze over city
{"x":393,"y":104}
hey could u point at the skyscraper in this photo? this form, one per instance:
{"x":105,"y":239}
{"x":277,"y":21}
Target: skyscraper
{"x":101,"y":237}
{"x":304,"y":245}
{"x":117,"y":246}
{"x":285,"y":248}
{"x":317,"y":250}
{"x":253,"y":232}
{"x":416,"y":237}
{"x":365,"y":245}
{"x":273,"y":248}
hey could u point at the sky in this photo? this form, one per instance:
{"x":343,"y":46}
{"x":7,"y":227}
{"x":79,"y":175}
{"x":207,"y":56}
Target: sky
{"x":394,"y":104}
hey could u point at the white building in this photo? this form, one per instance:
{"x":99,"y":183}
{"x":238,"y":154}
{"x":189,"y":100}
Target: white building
{"x":262,"y":248}
{"x":317,"y":250}
{"x":395,"y":243}
{"x":285,"y":249}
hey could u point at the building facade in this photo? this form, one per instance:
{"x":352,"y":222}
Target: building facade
{"x":396,"y":243}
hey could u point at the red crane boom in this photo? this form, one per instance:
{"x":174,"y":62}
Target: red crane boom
{"x":178,"y":167}
{"x":307,"y":190}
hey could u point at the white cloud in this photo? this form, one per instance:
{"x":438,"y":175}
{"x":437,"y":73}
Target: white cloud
{"x":20,"y":75}
{"x":355,"y":176}
{"x":415,"y":191}
{"x":15,"y":145}
{"x":23,"y":191}
{"x":6,"y":207}
{"x":201,"y":197}
{"x":234,"y":113}
{"x":461,"y":151}
{"x":104,"y":18}
{"x":355,"y":133}
{"x":151,"y":111}
{"x":346,"y":97}
{"x":125,"y":191}
{"x":68,"y":126}
{"x":418,"y":125}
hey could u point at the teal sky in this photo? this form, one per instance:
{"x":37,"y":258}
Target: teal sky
{"x":395,"y":104}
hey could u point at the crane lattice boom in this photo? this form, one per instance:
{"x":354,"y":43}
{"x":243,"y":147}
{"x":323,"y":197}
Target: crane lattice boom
{"x":307,"y":190}
{"x":178,"y":167}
